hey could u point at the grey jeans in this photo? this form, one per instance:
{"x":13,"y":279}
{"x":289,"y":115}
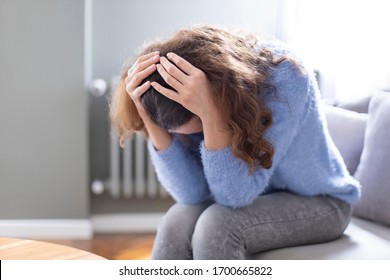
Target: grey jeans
{"x":274,"y":220}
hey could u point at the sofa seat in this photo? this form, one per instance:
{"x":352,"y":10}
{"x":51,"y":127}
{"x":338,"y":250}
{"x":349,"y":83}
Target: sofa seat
{"x":361,"y":240}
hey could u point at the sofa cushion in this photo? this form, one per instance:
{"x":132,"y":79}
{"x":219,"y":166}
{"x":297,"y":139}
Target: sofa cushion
{"x":357,"y":105}
{"x":347,"y":130}
{"x":373,"y":171}
{"x":362,"y":240}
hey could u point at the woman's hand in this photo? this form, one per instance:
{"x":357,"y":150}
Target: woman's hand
{"x":144,"y":66}
{"x":193,"y":89}
{"x":194,"y":92}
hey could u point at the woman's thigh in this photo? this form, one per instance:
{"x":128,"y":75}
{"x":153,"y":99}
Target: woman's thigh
{"x":275,"y":220}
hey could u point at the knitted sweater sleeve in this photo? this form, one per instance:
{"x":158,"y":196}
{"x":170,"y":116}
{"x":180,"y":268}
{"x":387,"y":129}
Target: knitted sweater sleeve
{"x":180,"y":173}
{"x":229,"y":178}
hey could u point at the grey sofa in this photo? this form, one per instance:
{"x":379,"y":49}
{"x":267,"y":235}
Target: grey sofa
{"x":361,"y":131}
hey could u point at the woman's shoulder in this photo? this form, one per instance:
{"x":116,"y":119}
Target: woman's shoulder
{"x":290,"y":68}
{"x":290,"y":78}
{"x":281,"y":49}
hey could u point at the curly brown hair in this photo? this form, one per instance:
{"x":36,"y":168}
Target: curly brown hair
{"x":238,"y":71}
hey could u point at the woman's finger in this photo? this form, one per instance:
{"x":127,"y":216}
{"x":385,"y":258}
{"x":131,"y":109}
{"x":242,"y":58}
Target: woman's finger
{"x":170,"y":80}
{"x":173,"y":70}
{"x":166,"y":92}
{"x":139,"y":77}
{"x":138,"y":67}
{"x":144,"y":57}
{"x":139,"y":91}
{"x":183,"y":64}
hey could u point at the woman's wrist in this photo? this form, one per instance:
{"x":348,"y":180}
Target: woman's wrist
{"x":160,"y":138}
{"x":217,"y":135}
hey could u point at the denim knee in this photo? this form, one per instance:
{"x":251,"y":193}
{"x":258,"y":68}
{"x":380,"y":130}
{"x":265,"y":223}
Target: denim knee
{"x":173,"y":239}
{"x":179,"y":222}
{"x":216,"y":235}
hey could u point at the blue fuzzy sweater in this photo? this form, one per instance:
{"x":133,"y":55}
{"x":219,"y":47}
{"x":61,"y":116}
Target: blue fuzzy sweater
{"x":305,"y":162}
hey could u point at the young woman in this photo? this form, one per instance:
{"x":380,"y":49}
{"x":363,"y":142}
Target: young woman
{"x":238,"y":138}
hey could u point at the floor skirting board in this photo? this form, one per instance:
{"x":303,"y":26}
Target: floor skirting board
{"x":80,"y":228}
{"x":126,"y":223}
{"x":47,"y":228}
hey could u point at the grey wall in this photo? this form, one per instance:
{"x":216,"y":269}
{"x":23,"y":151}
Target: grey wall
{"x":120,"y":27}
{"x":43,"y":110}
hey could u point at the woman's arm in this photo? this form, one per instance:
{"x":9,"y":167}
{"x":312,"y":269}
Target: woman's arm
{"x":144,"y":66}
{"x":180,"y":173}
{"x":229,"y":177}
{"x":176,"y":168}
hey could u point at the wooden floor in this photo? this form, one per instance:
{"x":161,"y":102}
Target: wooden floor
{"x":115,"y":246}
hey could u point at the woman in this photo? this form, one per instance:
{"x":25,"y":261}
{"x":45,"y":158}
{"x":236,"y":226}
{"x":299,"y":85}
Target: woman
{"x":239,"y":140}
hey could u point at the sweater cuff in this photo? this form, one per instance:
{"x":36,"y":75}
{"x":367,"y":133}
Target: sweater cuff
{"x":173,"y":151}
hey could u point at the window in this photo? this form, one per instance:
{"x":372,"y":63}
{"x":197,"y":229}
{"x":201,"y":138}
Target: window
{"x":347,"y":41}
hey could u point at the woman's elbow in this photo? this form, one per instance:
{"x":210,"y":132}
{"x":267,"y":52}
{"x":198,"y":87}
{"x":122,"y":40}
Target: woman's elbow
{"x":236,"y":200}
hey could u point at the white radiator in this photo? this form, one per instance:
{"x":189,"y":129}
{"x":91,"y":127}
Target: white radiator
{"x":131,"y":173}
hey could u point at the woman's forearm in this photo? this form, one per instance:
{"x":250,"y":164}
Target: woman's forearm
{"x":160,"y":138}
